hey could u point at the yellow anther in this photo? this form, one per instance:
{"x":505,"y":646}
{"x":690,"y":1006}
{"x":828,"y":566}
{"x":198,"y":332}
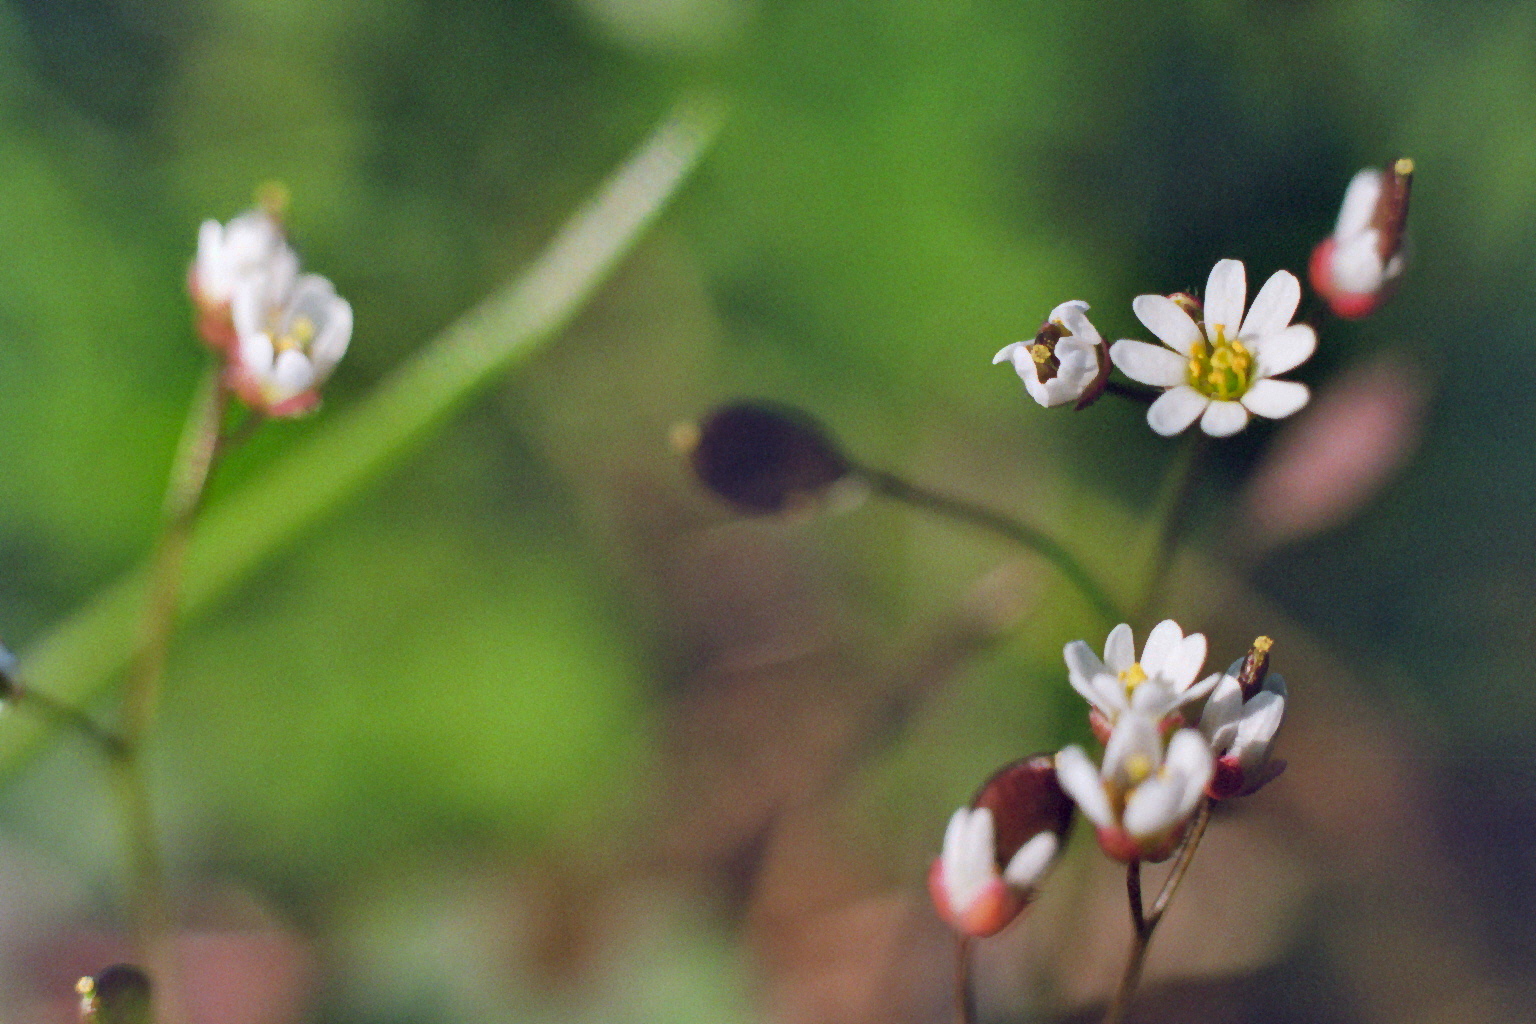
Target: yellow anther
{"x":1137,"y":768}
{"x":1133,"y":677}
{"x":1041,"y":354}
{"x":300,"y":333}
{"x":1062,"y":328}
{"x":86,"y":986}
{"x":1263,"y":644}
{"x":1220,"y":368}
{"x":1403,"y":167}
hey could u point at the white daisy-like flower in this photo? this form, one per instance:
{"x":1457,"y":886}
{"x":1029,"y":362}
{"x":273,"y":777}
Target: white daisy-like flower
{"x":997,"y":851}
{"x":292,"y":331}
{"x":1352,"y":267}
{"x":1066,"y":361}
{"x":1240,"y":722}
{"x":1222,"y":368}
{"x":1159,"y":683}
{"x":1141,"y":800}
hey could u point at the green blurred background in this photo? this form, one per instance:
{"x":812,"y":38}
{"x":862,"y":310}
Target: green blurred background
{"x":535,"y":730}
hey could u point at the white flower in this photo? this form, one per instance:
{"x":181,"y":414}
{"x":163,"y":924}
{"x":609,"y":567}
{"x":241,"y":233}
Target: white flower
{"x":291,"y":334}
{"x":1352,"y":267}
{"x":228,"y":255}
{"x":998,"y":850}
{"x":1063,"y":361}
{"x":1241,"y":728}
{"x":1161,"y":682}
{"x":1141,"y":800}
{"x":1223,"y":368}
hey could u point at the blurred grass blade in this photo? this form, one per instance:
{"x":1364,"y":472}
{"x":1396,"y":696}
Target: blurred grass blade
{"x":80,"y":657}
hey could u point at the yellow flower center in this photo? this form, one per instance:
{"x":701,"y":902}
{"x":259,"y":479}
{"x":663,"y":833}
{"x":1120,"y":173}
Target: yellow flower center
{"x":1137,"y":768}
{"x":1133,"y":677}
{"x":1220,"y":368}
{"x":298,"y":336}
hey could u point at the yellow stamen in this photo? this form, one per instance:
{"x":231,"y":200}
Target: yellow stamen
{"x":1133,"y":677}
{"x":1221,"y":369}
{"x":1040,"y":353}
{"x":300,"y":333}
{"x":1137,"y":768}
{"x":1263,"y":644}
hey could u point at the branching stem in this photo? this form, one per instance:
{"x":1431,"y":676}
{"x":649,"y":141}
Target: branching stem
{"x":1144,"y":922}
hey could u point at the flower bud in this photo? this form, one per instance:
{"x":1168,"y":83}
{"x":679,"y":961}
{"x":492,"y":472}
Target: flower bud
{"x":291,"y":331}
{"x":1240,"y":721}
{"x":250,"y":245}
{"x":1353,"y":268}
{"x":118,"y":995}
{"x":998,"y":850}
{"x":763,"y":458}
{"x":1066,"y":362}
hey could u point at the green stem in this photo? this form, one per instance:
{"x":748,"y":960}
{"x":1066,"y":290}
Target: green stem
{"x":66,"y":715}
{"x":1143,"y":922}
{"x":1169,"y":512}
{"x":196,"y":453}
{"x":1036,"y":540}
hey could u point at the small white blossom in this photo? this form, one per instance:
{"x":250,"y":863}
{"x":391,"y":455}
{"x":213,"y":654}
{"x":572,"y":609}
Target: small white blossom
{"x":1161,"y":682}
{"x":250,"y":246}
{"x":1221,"y":369}
{"x":1352,"y":267}
{"x":1065,"y":359}
{"x":997,"y":851}
{"x":292,"y":331}
{"x":969,"y":890}
{"x":1141,"y":800}
{"x":1241,"y":731}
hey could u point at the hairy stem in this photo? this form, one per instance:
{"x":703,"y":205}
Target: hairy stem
{"x":965,"y":998}
{"x":1036,"y":540}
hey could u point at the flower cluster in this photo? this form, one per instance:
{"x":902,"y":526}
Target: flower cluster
{"x":1171,"y":740}
{"x":280,"y":332}
{"x":1217,"y":362}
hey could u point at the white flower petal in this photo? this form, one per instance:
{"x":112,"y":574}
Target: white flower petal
{"x":1190,"y":763}
{"x":1356,"y":265}
{"x":1285,"y":349}
{"x":1073,"y":316}
{"x":256,"y":353}
{"x":1120,"y":648}
{"x":1032,"y":860}
{"x":1176,"y":410}
{"x":1149,"y":364}
{"x":292,"y":374}
{"x":1008,"y":352}
{"x":1360,"y":200}
{"x":1225,"y":292}
{"x":1276,"y":399}
{"x":1161,"y":643}
{"x":1154,"y":698}
{"x":1185,"y":661}
{"x":1163,"y":317}
{"x":1261,"y":719}
{"x":1223,"y":419}
{"x":1273,"y":307}
{"x":1153,"y":808}
{"x":330,"y":343}
{"x":1200,"y":689}
{"x":1084,"y":671}
{"x":968,"y":863}
{"x":1080,"y":780}
{"x":1219,"y":720}
{"x":1135,"y":744}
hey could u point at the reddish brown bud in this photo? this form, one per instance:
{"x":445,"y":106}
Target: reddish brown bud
{"x":765,"y":459}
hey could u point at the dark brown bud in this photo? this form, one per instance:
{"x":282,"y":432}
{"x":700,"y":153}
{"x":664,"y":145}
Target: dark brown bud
{"x":1025,"y":799}
{"x":118,"y":995}
{"x":763,"y":458}
{"x":1391,"y":215}
{"x":1250,"y":677}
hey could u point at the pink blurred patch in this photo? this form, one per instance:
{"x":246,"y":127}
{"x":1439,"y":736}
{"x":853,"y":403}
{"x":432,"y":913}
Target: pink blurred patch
{"x":1335,"y":455}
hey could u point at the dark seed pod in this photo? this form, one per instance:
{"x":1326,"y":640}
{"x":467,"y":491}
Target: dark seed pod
{"x":118,"y":995}
{"x":763,"y":458}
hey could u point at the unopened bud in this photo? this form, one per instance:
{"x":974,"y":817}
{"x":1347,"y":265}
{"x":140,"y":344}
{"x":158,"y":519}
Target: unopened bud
{"x":997,"y":851}
{"x":1189,"y":304}
{"x":1255,"y":667}
{"x":118,"y":995}
{"x":1354,"y":267}
{"x":762,"y":458}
